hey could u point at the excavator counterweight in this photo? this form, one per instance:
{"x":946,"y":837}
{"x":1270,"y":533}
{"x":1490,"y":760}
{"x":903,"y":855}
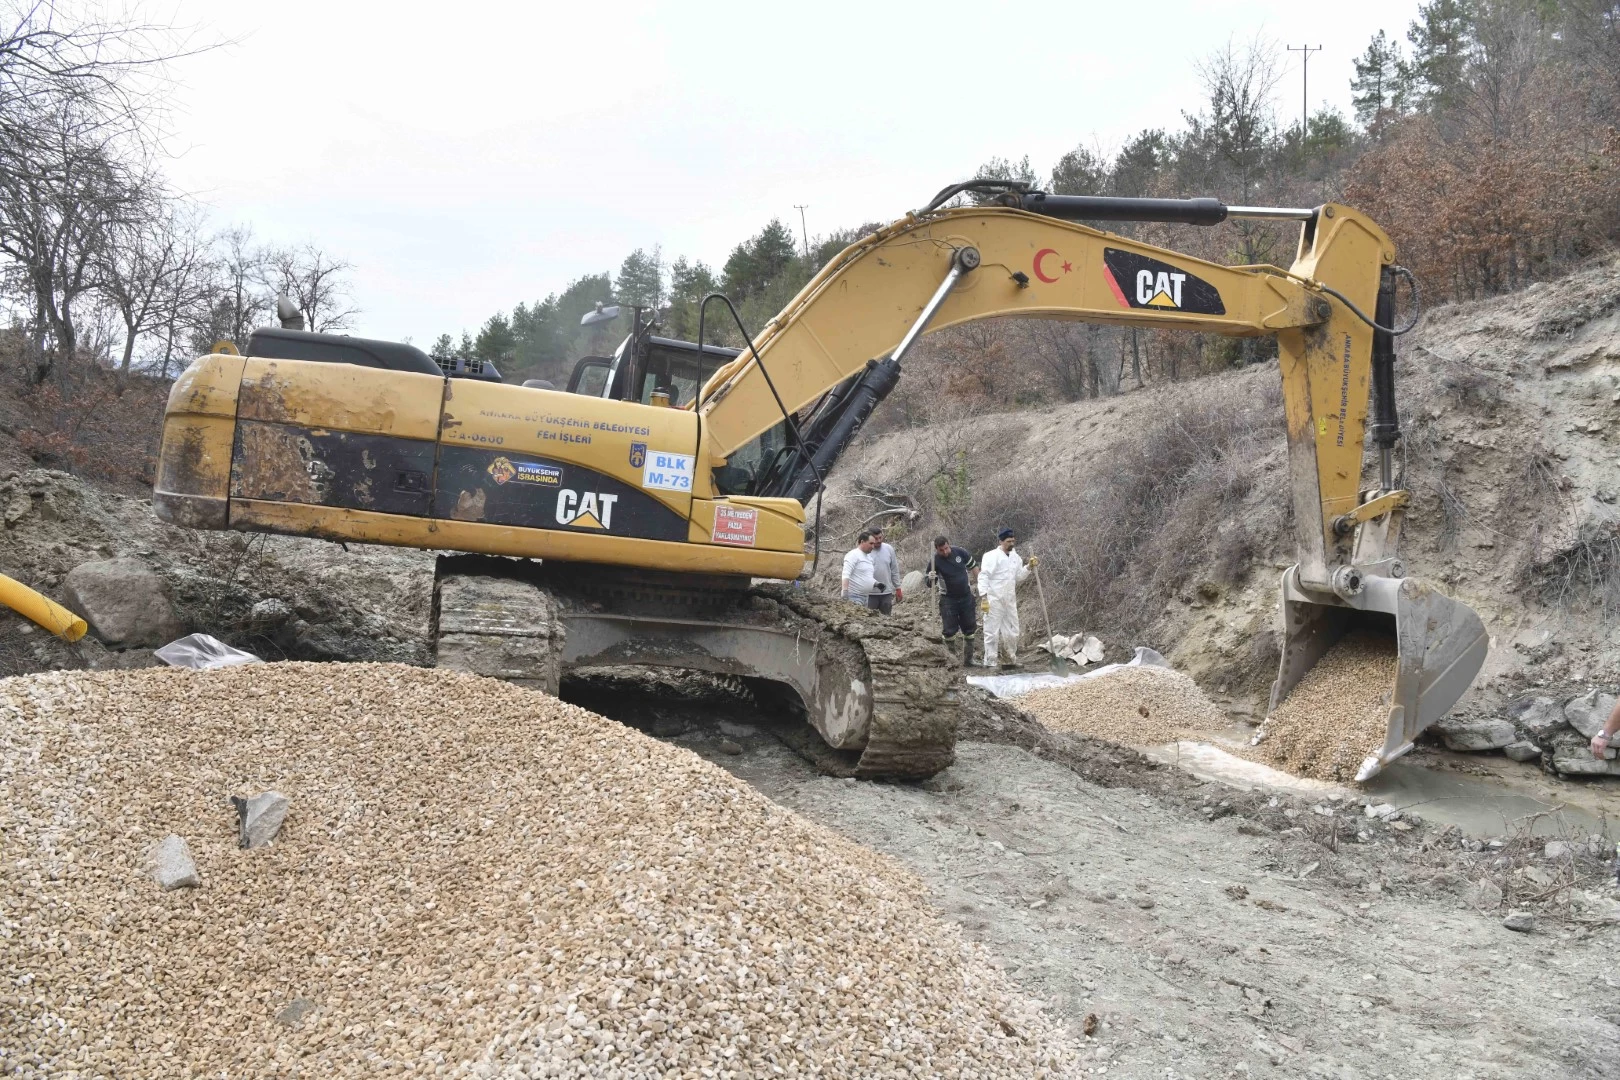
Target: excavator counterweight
{"x":628,"y":519}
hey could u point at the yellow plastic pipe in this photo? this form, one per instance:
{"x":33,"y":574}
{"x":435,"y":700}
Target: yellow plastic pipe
{"x":42,"y":610}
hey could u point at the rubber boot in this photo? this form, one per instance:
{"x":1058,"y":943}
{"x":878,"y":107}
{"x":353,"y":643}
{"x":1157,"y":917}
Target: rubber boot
{"x":967,"y":650}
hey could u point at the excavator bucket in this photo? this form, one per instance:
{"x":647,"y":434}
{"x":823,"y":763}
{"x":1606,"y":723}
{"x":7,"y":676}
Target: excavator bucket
{"x":1441,"y":646}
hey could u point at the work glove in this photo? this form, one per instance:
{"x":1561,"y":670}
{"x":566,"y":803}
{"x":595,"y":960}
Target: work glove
{"x":930,"y":579}
{"x":899,"y":595}
{"x":984,"y":604}
{"x":1033,"y":559}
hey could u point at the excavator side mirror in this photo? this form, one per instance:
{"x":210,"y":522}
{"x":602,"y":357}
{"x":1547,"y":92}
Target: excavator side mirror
{"x":602,"y":314}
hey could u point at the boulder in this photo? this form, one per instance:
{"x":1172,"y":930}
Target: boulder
{"x":1572,"y":756}
{"x":125,"y":602}
{"x":1522,"y":750}
{"x":170,"y":864}
{"x":1587,"y":713}
{"x":260,"y":817}
{"x":1537,"y":717}
{"x":1476,"y":734}
{"x":1521,"y":921}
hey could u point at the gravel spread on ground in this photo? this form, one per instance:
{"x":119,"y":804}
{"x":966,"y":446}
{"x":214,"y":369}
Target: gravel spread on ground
{"x":1137,"y":706}
{"x":473,"y":879}
{"x":1338,"y":714}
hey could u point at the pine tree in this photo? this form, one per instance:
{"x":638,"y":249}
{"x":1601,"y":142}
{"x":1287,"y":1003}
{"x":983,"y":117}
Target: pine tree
{"x":641,"y":279}
{"x":1079,"y":172}
{"x":495,"y":340}
{"x":760,"y":261}
{"x":1441,"y":37}
{"x":1139,"y":163}
{"x":443,"y":348}
{"x":689,"y":283}
{"x":1383,"y":84}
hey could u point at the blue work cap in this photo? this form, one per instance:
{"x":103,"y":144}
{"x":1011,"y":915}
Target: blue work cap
{"x":1004,"y":533}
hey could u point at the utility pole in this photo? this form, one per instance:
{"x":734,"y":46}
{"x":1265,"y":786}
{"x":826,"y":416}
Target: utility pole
{"x":1304,"y":89}
{"x":803,"y":231}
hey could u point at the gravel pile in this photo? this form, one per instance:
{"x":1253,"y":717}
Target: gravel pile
{"x":471,"y":879}
{"x":1137,"y":706}
{"x":1338,"y":714}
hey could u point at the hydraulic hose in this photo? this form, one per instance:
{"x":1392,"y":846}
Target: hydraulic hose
{"x":787,"y":417}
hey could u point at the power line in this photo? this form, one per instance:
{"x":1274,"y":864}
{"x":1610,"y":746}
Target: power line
{"x":805,"y":232}
{"x":1304,"y":88}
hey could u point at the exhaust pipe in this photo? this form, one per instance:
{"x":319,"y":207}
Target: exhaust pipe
{"x":1441,"y":644}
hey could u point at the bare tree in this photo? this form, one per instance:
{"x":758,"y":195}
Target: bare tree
{"x":150,"y":272}
{"x":55,"y":226}
{"x":79,"y":94}
{"x":317,"y":284}
{"x":241,"y":292}
{"x":1241,"y":83}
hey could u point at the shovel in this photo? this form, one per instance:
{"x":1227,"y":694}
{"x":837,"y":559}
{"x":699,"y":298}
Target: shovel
{"x":1058,"y":665}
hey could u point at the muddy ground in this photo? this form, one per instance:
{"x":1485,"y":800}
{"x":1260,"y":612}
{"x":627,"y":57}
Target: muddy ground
{"x":1199,"y":931}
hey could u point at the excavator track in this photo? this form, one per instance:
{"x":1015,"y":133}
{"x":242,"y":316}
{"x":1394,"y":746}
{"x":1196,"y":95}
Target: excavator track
{"x":857,"y":694}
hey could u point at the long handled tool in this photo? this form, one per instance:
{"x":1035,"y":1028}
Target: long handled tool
{"x":1058,"y":665}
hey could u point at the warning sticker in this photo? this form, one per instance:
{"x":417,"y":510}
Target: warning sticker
{"x":735,"y":525}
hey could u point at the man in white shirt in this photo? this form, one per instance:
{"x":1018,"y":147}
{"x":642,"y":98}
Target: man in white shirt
{"x":886,"y":572}
{"x":858,"y":577}
{"x":1000,"y":572}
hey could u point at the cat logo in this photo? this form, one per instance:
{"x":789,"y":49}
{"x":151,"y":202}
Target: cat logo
{"x":585,"y":510}
{"x":1140,"y":282}
{"x":638,"y":454}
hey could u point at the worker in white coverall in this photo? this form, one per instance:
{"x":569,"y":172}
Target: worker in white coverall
{"x":1000,"y":572}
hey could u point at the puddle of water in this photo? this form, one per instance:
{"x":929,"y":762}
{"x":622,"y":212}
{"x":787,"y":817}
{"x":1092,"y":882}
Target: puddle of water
{"x":1482,"y":806}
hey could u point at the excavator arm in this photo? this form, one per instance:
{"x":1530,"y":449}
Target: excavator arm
{"x":1022,"y":259}
{"x":928,"y":272}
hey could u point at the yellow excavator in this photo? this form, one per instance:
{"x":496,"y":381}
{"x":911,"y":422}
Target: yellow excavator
{"x":630,"y":518}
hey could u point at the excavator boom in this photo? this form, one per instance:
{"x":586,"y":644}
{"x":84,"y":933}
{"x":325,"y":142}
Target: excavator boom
{"x":418,"y":458}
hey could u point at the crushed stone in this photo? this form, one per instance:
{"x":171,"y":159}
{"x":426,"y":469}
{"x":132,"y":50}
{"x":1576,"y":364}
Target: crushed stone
{"x":478,"y":880}
{"x":1338,"y":714}
{"x":1136,"y":706}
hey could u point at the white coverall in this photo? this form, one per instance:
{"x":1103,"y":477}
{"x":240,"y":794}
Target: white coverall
{"x":999,"y":575}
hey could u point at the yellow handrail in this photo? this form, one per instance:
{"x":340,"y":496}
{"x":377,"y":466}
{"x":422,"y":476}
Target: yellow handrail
{"x":41,"y":609}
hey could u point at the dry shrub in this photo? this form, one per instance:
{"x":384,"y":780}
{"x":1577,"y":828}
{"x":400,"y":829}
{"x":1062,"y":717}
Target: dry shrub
{"x":87,"y":423}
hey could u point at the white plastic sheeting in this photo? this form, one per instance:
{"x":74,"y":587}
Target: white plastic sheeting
{"x":1010,"y":686}
{"x":203,"y":652}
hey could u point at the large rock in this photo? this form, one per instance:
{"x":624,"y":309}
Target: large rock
{"x":1537,"y":717}
{"x":260,"y":817}
{"x":1587,"y":713}
{"x":170,"y":864}
{"x":124,"y":601}
{"x":1476,"y":734}
{"x":1522,"y":750}
{"x":1572,"y":756}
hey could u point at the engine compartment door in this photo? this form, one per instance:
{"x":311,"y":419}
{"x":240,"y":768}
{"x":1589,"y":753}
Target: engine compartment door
{"x":544,"y":459}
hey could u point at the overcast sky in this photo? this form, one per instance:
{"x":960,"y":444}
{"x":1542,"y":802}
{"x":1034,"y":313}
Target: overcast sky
{"x":466,"y":156}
